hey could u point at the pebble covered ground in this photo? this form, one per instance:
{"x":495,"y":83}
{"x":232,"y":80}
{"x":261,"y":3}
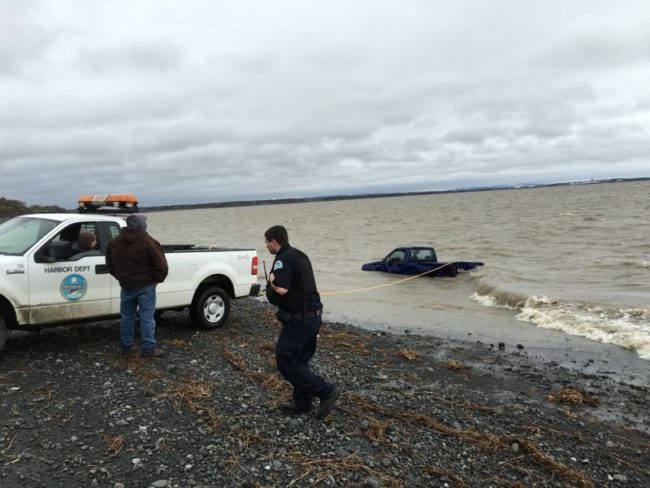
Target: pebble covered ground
{"x":415,"y":411}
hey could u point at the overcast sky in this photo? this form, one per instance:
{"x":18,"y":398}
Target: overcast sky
{"x":201,"y":101}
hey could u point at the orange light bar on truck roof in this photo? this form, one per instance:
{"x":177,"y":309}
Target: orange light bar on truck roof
{"x":115,"y":200}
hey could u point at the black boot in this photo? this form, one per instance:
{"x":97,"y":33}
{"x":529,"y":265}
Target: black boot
{"x":290,"y":407}
{"x":326,"y":403}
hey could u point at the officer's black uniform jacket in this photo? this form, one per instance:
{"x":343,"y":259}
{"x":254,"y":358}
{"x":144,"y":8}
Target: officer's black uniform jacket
{"x":292,"y":270}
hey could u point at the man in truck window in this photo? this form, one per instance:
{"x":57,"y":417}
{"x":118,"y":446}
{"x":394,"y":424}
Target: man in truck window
{"x":138,"y":262}
{"x":292,"y":287}
{"x":85,"y":245}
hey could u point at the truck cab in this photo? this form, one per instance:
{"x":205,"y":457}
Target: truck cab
{"x":413,"y":260}
{"x":46,"y":276}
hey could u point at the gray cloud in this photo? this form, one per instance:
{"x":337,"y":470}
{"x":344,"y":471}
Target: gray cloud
{"x":148,"y":56}
{"x":183,"y":104}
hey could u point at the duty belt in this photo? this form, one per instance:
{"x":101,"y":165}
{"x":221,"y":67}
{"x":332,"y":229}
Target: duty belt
{"x":283,"y":316}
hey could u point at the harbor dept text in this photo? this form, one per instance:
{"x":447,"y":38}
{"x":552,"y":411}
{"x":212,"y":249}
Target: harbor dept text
{"x":66,"y":269}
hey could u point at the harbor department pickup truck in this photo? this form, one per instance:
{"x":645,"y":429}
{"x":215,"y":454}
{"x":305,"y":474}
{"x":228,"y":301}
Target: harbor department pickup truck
{"x":43,"y":281}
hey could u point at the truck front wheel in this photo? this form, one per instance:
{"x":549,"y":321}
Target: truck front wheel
{"x":211,"y":309}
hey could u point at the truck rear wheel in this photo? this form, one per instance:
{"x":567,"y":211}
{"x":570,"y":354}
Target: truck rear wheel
{"x":211,"y":309}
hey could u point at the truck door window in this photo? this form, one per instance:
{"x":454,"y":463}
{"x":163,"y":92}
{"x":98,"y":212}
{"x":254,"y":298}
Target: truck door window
{"x":114,"y":229}
{"x":425,"y":255}
{"x":66,"y":246}
{"x":82,"y":248}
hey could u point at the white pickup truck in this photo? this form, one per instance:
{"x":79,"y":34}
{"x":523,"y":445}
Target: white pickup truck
{"x":43,"y":281}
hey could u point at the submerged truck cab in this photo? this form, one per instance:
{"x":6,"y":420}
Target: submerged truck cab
{"x":413,"y":260}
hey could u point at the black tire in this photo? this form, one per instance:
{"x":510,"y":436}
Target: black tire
{"x":211,"y":309}
{"x":3,"y":332}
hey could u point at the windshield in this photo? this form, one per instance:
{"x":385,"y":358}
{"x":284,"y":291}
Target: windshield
{"x":396,"y":256}
{"x":19,"y":234}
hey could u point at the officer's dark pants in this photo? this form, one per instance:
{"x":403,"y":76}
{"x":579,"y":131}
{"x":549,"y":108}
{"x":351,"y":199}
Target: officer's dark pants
{"x":296,"y":346}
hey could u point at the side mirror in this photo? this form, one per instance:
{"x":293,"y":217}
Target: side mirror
{"x":42,"y":258}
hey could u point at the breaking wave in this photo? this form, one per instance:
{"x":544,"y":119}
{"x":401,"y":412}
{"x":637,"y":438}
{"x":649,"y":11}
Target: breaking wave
{"x":491,"y":296}
{"x":628,"y":328}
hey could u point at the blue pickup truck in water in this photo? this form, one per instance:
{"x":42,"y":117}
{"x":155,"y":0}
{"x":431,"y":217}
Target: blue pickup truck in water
{"x":414,"y":260}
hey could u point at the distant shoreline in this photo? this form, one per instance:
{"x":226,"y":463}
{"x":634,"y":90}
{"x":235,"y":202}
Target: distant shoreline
{"x":279,"y":201}
{"x":11,"y":208}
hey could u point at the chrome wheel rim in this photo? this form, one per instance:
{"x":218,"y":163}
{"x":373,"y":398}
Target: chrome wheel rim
{"x":214,"y":308}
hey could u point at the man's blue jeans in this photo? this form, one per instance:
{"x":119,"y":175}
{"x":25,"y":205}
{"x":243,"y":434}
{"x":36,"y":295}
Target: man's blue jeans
{"x":138,"y":302}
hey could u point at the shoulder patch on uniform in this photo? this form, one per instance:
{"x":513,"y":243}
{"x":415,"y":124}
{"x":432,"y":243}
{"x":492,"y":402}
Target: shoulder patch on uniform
{"x":277,"y":265}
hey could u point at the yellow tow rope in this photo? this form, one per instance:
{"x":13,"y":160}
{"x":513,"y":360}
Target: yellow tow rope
{"x":368,"y":288}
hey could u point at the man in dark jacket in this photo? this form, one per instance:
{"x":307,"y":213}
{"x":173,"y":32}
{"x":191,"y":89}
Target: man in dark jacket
{"x":292,"y":287}
{"x":138,"y":262}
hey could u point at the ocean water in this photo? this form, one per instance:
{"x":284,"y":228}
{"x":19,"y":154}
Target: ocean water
{"x":574,"y":260}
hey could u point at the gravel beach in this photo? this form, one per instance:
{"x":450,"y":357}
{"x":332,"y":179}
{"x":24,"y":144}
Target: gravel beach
{"x":415,"y":411}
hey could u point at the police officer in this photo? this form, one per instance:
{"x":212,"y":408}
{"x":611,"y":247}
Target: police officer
{"x":292,"y":287}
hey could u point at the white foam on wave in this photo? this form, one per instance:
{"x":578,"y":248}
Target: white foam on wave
{"x":487,"y":300}
{"x":626,"y":328}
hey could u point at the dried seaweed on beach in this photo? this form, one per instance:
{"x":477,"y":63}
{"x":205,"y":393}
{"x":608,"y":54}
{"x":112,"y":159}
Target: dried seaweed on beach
{"x":454,"y":365}
{"x":409,"y":354}
{"x":114,"y":444}
{"x":572,"y":396}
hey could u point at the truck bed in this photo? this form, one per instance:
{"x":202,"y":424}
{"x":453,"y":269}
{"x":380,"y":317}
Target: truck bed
{"x":197,"y":248}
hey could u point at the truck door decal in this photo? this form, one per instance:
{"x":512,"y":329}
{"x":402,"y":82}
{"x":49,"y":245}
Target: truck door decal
{"x":73,"y":287}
